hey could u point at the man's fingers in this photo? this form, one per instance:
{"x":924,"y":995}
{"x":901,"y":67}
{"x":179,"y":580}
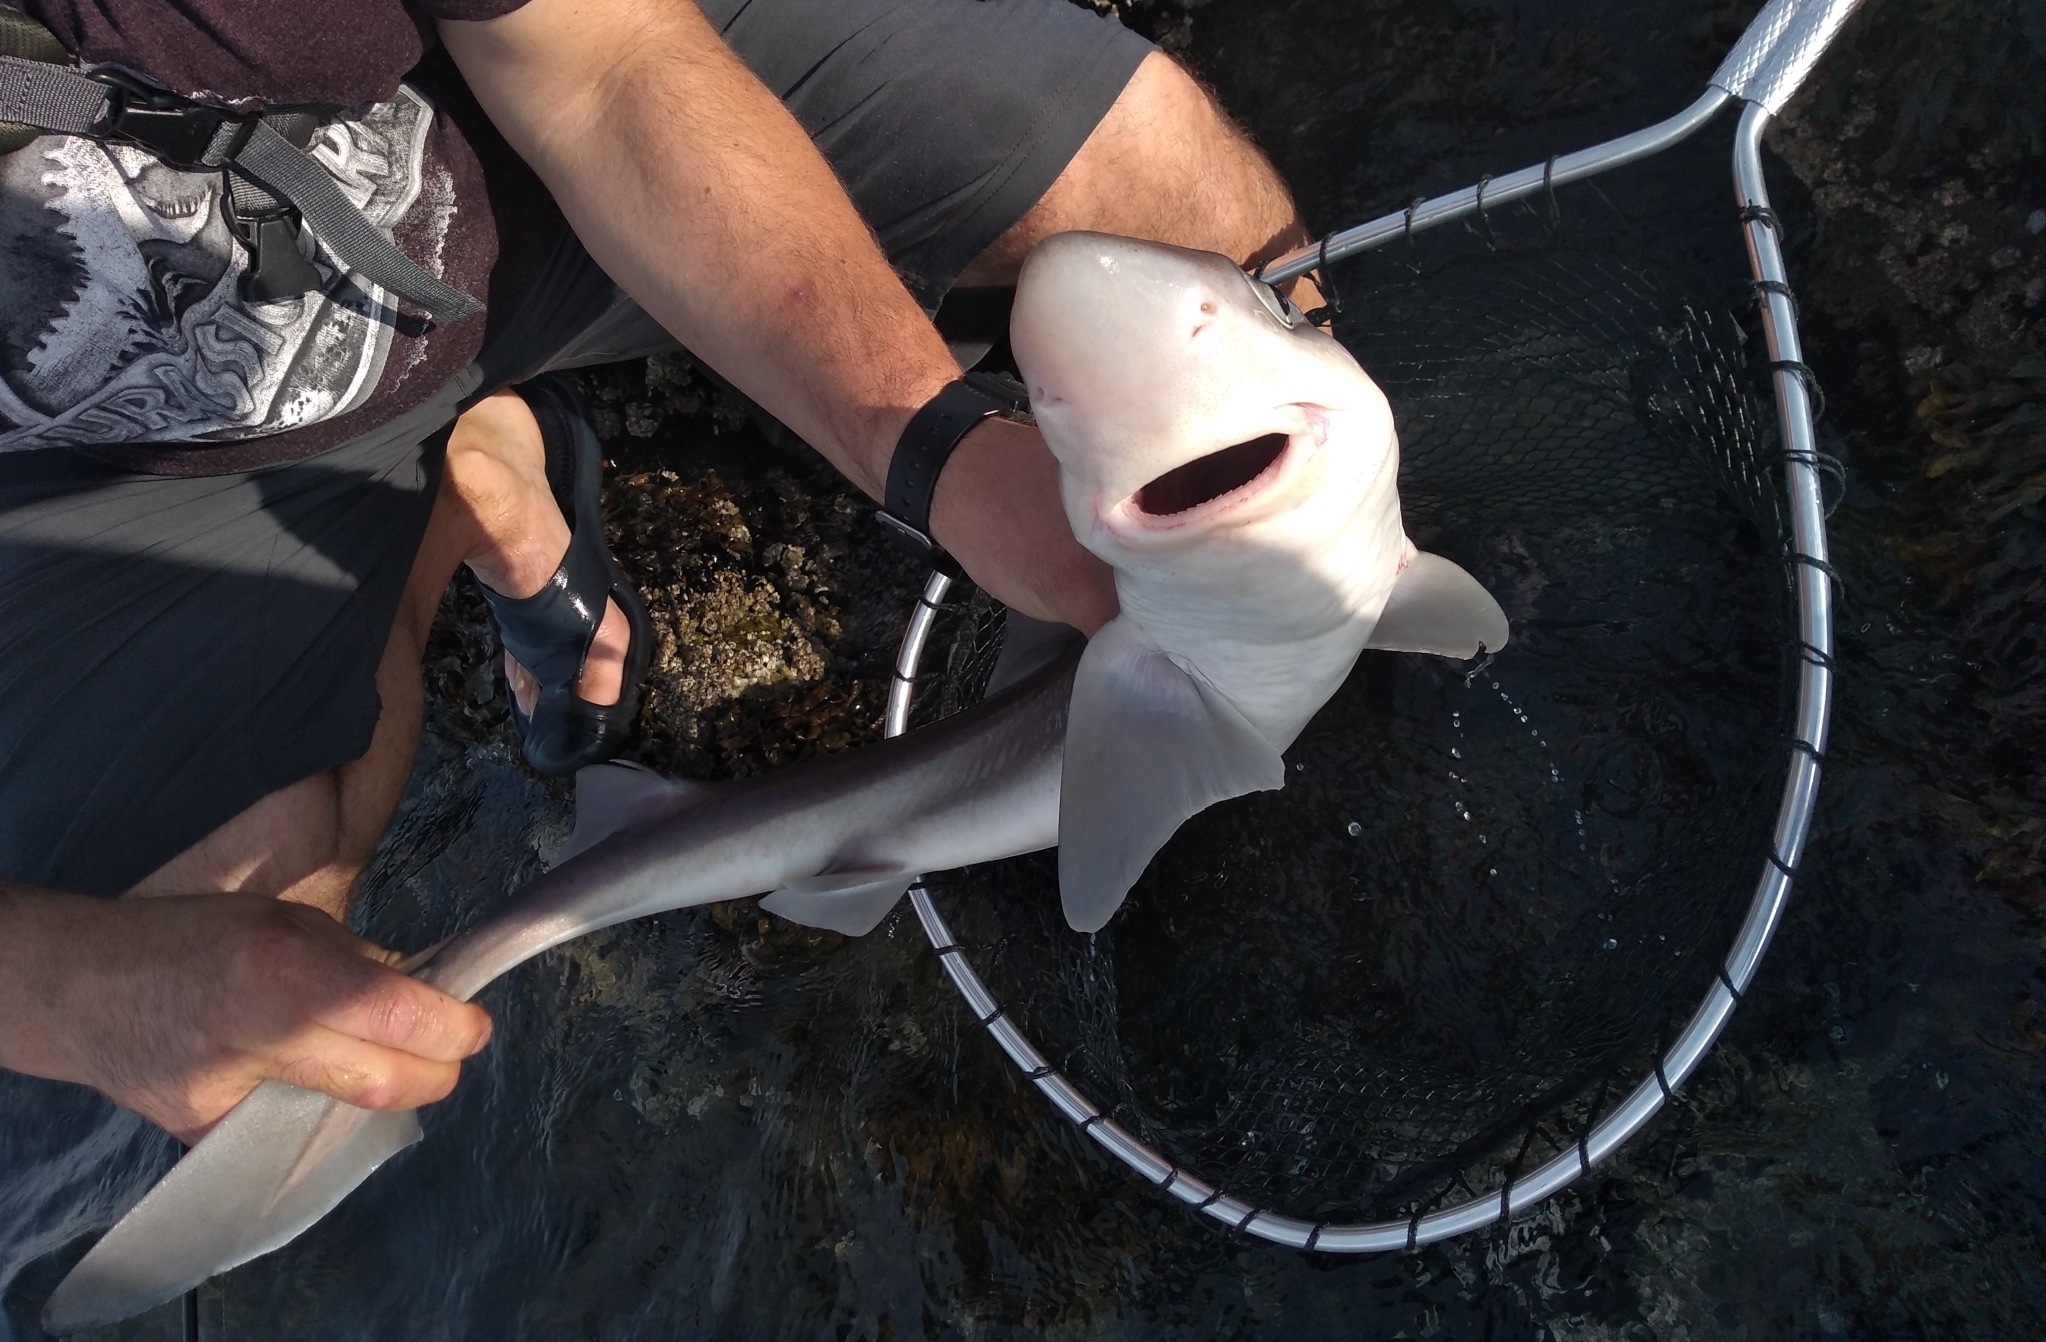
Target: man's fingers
{"x":393,"y":1011}
{"x":366,"y":1075}
{"x":359,"y":993}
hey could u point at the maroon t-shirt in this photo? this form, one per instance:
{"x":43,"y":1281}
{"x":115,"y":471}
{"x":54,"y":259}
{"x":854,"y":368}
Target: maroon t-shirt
{"x":122,"y":332}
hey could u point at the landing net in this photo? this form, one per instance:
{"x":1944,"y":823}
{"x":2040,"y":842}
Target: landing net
{"x":1501,"y":911}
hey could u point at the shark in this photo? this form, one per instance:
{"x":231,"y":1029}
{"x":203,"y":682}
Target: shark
{"x":1236,"y":469}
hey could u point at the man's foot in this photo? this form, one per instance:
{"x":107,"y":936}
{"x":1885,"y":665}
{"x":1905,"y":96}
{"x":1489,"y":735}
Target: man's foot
{"x":497,"y":467}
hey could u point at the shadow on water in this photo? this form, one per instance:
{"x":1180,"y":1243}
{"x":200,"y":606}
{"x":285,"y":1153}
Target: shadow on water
{"x":712,"y":1124}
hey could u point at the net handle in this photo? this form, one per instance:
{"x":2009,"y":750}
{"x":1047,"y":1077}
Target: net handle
{"x":1768,"y":63}
{"x":1812,"y":578}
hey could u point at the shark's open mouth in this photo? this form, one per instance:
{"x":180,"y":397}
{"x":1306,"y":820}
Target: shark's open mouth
{"x":1210,"y":477}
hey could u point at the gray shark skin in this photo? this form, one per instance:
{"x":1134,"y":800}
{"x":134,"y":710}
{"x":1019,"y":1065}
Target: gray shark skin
{"x":1237,"y":470}
{"x":837,"y":838}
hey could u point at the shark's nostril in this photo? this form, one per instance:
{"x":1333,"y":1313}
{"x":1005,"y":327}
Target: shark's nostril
{"x":1210,"y":477}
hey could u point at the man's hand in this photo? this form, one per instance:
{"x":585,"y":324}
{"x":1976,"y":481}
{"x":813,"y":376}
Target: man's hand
{"x":997,"y":511}
{"x":177,"y":1006}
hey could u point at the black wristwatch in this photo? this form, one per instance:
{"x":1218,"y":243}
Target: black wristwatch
{"x":926,"y":444}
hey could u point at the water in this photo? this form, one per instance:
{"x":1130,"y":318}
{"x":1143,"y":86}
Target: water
{"x":715,"y":1125}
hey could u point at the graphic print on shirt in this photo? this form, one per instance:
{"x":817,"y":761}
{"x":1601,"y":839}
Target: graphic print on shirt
{"x":121,"y":319}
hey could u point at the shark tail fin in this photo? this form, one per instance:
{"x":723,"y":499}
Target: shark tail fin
{"x":1148,"y":744}
{"x":279,"y":1161}
{"x":1438,"y":608}
{"x":619,"y":796}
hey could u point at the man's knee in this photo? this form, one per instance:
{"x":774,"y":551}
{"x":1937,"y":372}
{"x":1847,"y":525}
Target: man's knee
{"x":1165,"y":163}
{"x":273,"y":848}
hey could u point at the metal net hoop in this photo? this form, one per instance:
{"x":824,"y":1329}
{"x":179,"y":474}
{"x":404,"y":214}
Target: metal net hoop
{"x":1765,"y":67}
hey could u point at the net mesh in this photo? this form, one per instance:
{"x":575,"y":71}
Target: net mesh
{"x":1487,"y":893}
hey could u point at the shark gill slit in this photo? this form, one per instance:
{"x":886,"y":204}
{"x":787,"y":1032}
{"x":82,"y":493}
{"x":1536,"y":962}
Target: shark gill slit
{"x":1210,"y":477}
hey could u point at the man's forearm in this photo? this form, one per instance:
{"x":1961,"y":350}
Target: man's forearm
{"x":702,"y":196}
{"x":36,"y":927}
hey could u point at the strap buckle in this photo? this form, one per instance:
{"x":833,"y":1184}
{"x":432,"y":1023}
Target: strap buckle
{"x":183,"y":134}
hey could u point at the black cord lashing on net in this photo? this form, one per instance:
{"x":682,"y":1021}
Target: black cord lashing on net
{"x":1549,"y":189}
{"x":1597,"y":1107}
{"x":1814,"y":655}
{"x":1763,"y":215}
{"x":1413,"y":263}
{"x":1818,"y":566}
{"x":1484,"y":229}
{"x":1831,"y":471}
{"x":1669,"y":1096}
{"x":1331,"y":304}
{"x":1726,"y":980}
{"x":1763,"y":288}
{"x":1803,"y":373}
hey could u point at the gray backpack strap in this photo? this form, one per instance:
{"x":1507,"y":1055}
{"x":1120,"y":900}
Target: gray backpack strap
{"x":22,"y":36}
{"x":290,"y":173}
{"x":55,"y":98}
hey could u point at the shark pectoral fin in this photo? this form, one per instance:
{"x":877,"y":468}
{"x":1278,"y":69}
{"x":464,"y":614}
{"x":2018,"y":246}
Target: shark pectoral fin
{"x":852,"y":902}
{"x":1438,"y":608}
{"x":615,"y":797}
{"x":1027,"y":645}
{"x":1147,"y":745}
{"x":278,"y":1162}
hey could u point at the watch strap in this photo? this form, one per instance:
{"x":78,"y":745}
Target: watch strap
{"x":925,"y":446}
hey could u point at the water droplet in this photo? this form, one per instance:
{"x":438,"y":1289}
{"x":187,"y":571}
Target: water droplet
{"x":1353,"y":829}
{"x":1456,"y":752}
{"x":1494,"y":872}
{"x":1612,"y":943}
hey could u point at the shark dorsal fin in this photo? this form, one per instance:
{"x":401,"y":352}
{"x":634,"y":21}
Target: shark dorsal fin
{"x":1438,"y":608}
{"x":1148,"y":744}
{"x":616,"y":797}
{"x":852,"y":902}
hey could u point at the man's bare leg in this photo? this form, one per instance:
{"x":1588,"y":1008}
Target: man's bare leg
{"x":177,"y":1006}
{"x":310,"y":842}
{"x":1166,"y":164}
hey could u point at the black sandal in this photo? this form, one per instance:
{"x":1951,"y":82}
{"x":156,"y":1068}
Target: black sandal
{"x":550,"y":632}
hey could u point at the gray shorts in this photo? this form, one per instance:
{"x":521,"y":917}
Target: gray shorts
{"x":174,"y":648}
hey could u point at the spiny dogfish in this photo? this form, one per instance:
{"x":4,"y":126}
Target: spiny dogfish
{"x":1237,"y":470}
